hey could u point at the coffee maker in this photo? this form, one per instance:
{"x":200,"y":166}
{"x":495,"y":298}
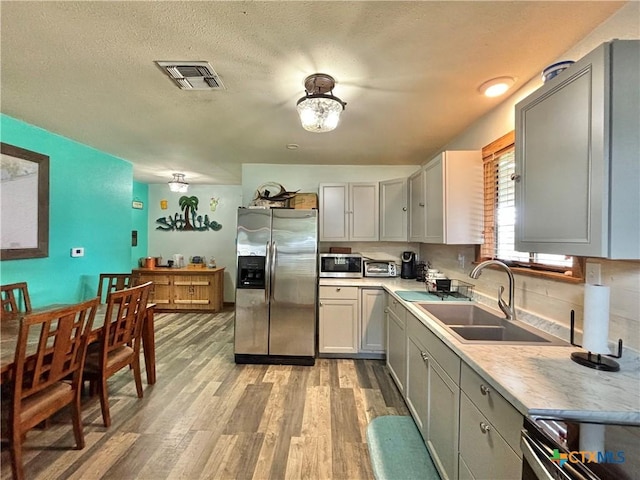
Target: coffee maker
{"x":408,"y":268}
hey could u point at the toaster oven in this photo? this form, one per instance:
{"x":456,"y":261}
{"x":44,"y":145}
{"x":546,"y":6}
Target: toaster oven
{"x":374,"y":268}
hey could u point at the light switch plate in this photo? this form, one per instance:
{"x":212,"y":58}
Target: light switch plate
{"x":593,"y":274}
{"x":77,"y":252}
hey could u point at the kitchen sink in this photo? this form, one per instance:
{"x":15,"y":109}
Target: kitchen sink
{"x":475,"y":324}
{"x":461,"y":314}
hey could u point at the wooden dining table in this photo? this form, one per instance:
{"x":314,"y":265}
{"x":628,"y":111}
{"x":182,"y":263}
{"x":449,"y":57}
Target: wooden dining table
{"x":10,"y":327}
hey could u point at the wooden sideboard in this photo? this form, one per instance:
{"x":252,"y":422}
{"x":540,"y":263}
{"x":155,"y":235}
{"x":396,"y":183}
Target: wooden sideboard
{"x":184,"y":289}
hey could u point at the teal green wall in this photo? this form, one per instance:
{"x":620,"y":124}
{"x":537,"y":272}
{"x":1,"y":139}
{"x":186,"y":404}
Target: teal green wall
{"x":90,"y":196}
{"x":139,"y":222}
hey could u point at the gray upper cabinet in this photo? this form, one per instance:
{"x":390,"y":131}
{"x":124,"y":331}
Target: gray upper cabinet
{"x":417,"y":206}
{"x":578,"y":158}
{"x":446,"y":199}
{"x":349,"y":212}
{"x":393,"y":210}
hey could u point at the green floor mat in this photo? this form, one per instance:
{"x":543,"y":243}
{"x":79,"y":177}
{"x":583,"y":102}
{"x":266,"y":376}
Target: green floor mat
{"x":397,"y":450}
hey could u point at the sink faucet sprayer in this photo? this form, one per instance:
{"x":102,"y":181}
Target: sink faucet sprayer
{"x":508,"y":309}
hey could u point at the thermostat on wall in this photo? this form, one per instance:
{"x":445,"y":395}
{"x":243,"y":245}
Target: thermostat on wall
{"x":77,"y":252}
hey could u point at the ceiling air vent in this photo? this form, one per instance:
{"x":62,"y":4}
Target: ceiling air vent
{"x":192,"y":75}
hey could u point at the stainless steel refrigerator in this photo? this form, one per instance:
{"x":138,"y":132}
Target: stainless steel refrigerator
{"x":276,"y":287}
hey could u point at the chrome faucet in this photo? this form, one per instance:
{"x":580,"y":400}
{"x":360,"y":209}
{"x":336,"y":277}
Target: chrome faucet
{"x":510,"y":308}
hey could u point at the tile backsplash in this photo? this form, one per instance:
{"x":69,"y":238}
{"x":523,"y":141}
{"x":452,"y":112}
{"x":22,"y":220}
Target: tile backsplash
{"x":550,"y":299}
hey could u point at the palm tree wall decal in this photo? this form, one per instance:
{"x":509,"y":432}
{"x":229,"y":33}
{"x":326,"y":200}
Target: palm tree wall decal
{"x":188,"y":204}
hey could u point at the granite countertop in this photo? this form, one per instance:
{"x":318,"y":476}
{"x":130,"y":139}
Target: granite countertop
{"x":536,"y":380}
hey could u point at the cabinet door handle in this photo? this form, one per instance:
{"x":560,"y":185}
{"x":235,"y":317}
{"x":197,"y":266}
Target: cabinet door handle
{"x":320,"y":303}
{"x":484,"y":389}
{"x":515,"y":177}
{"x":421,"y":204}
{"x":484,"y":428}
{"x":404,"y":209}
{"x":338,"y":289}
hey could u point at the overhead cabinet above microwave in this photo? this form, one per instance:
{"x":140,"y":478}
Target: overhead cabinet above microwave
{"x":446,"y":199}
{"x":578,"y":158}
{"x":349,"y":212}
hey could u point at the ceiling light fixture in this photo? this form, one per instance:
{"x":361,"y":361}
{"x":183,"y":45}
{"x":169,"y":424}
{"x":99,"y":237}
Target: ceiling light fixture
{"x":319,"y":112}
{"x":496,"y":86}
{"x":178,"y":184}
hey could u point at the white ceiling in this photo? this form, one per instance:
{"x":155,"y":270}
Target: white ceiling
{"x":409,"y":72}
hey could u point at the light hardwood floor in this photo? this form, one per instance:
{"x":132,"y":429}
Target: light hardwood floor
{"x":207,"y":417}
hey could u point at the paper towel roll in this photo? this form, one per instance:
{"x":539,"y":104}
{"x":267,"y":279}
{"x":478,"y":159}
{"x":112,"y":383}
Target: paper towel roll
{"x":596,"y":318}
{"x":591,"y":437}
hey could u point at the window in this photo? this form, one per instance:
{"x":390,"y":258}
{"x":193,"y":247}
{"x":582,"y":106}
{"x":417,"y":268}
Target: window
{"x":500,"y":217}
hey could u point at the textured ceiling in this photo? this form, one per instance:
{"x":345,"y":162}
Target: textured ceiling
{"x":409,"y":72}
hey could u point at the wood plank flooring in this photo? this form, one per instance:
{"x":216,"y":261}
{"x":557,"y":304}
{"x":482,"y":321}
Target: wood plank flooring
{"x":207,"y":417}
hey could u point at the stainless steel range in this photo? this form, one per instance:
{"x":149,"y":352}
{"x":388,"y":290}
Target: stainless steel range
{"x":563,"y":449}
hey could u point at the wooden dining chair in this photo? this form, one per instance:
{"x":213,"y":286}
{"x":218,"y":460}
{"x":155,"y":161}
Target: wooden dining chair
{"x":119,"y":344}
{"x":113,"y":282}
{"x":15,"y":299}
{"x":47,"y":374}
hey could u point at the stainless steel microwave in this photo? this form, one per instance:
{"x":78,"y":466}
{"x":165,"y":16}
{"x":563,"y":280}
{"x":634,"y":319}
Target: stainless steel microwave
{"x":341,"y":265}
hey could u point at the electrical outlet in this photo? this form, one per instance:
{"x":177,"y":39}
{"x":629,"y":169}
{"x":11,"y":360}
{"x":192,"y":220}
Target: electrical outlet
{"x":593,"y":273}
{"x":77,"y":252}
{"x":461,"y":260}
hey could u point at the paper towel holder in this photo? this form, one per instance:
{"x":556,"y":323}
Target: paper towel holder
{"x":594,"y":360}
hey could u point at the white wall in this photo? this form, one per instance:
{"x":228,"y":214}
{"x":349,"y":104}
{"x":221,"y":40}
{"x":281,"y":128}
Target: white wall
{"x":547,"y":298}
{"x":306,"y":178}
{"x":220,"y":244}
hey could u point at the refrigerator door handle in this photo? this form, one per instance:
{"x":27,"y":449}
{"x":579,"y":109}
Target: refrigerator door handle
{"x":274,"y":251}
{"x":267,"y":272}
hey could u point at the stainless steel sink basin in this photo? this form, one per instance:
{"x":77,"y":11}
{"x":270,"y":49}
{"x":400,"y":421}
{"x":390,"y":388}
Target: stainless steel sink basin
{"x":475,"y":324}
{"x":461,"y":314}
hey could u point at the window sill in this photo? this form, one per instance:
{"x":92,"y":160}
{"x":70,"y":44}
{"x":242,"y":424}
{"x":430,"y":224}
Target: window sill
{"x":560,"y":277}
{"x":578,"y":267}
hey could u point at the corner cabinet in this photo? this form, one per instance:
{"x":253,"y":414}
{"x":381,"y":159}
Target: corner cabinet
{"x":349,"y":212}
{"x":578,"y":158}
{"x":372,"y":307}
{"x":417,"y":206}
{"x":446,"y":199}
{"x":393,"y":210}
{"x":184,"y":289}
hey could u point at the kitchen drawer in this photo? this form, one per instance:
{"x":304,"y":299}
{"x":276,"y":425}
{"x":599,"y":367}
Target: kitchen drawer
{"x":493,"y":405}
{"x":342,"y":293}
{"x":485,"y":453}
{"x":446,"y":358}
{"x":396,"y":307}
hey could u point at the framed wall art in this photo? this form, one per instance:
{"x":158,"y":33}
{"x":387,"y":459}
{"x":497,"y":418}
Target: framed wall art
{"x":24,"y":203}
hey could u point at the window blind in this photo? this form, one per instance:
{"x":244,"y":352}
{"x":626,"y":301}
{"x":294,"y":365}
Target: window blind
{"x":500,"y":210}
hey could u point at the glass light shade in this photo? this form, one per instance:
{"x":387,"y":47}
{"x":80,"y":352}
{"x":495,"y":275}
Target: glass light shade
{"x":178,"y":184}
{"x":319,"y":113}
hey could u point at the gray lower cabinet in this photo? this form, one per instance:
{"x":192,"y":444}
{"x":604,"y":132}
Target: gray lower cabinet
{"x":338,"y":320}
{"x":372,"y":312}
{"x":433,"y":396}
{"x":470,"y":430}
{"x":396,"y":342}
{"x":489,"y":431}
